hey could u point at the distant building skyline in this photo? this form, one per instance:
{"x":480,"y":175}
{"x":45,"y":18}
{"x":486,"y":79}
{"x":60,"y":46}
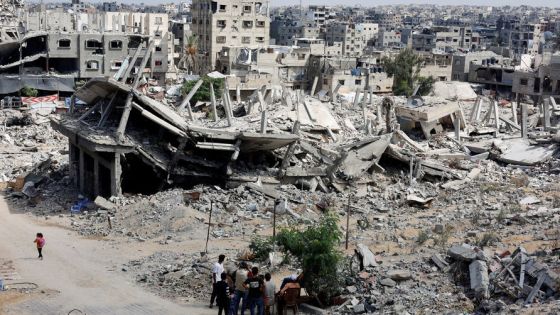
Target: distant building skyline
{"x":277,"y":3}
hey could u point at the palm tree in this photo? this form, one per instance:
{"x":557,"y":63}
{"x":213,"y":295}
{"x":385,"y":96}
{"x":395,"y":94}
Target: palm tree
{"x":189,"y":54}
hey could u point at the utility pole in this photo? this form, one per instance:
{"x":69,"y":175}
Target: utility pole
{"x":348,"y":222}
{"x":209,"y":222}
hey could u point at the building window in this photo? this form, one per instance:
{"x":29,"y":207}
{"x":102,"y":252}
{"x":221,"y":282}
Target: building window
{"x":158,"y":48}
{"x":115,"y":65}
{"x":157,"y":34}
{"x":247,"y":24}
{"x":158,"y":63}
{"x":115,"y":44}
{"x":247,"y":9}
{"x":64,"y":43}
{"x":93,"y":44}
{"x":341,"y":82}
{"x":260,"y":39}
{"x":159,"y":20}
{"x":246,"y":40}
{"x":221,"y":23}
{"x":220,"y":40}
{"x":222,"y":8}
{"x":92,"y":65}
{"x":260,"y":23}
{"x":523,"y":81}
{"x":358,"y":82}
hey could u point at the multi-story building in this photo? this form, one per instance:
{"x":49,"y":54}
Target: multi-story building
{"x":285,"y":33}
{"x":319,"y":14}
{"x":351,"y":36}
{"x":453,"y":38}
{"x":523,"y":38}
{"x":73,"y":46}
{"x":461,"y":63}
{"x":389,"y":21}
{"x":389,"y":39}
{"x":219,"y":24}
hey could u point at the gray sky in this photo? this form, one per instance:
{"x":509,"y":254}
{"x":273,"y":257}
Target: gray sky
{"x":549,"y":3}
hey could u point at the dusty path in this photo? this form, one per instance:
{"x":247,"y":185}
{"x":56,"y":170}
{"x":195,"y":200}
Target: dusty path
{"x":76,"y":273}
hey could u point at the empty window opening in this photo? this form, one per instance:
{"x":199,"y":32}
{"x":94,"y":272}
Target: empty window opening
{"x":64,"y":43}
{"x":116,"y":44}
{"x":93,"y":44}
{"x":92,"y":65}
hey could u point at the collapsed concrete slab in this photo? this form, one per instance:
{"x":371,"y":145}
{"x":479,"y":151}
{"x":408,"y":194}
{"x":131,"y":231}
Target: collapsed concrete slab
{"x":157,"y":147}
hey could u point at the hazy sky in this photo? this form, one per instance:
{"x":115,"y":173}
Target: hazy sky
{"x":548,"y":3}
{"x":366,"y":3}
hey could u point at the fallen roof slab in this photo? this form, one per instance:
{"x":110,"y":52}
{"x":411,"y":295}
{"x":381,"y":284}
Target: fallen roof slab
{"x":521,"y":152}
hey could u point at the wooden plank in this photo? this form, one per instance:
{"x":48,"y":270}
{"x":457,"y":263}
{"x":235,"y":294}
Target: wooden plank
{"x":536,"y":288}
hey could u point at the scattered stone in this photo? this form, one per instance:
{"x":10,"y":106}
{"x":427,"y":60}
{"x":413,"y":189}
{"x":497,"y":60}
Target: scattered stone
{"x":388,"y":282}
{"x":462,"y":252}
{"x":399,"y":275}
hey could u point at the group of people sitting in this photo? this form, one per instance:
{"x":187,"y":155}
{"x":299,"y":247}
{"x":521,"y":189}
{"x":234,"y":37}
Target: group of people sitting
{"x":246,"y":289}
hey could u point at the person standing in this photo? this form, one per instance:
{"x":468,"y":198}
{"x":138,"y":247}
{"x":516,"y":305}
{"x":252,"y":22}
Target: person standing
{"x":217,"y":270}
{"x":269,"y":292}
{"x":40,"y":241}
{"x":240,"y":293}
{"x":255,"y":285}
{"x":222,"y":295}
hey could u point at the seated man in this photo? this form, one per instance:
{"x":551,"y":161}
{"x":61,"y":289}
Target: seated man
{"x":291,"y":278}
{"x":280,"y":296}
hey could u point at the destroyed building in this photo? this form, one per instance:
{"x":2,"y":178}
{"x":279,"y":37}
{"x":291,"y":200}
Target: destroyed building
{"x":228,"y":23}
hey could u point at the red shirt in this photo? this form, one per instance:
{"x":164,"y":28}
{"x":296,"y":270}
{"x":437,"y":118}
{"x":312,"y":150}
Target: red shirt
{"x":40,"y":242}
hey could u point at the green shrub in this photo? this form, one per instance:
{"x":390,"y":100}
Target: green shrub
{"x":316,"y":249}
{"x":203,"y":93}
{"x":29,"y":91}
{"x":261,"y":246}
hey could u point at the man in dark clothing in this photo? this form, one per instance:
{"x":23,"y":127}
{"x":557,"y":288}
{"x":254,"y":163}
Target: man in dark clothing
{"x":255,"y":285}
{"x":222,"y":295}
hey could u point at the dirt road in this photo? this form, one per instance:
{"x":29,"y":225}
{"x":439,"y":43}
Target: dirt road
{"x":76,"y":273}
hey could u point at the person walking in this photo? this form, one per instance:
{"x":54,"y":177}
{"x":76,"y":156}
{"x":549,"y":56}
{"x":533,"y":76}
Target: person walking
{"x":255,"y":286}
{"x":269,"y":292}
{"x":222,"y":295}
{"x":217,"y":270}
{"x":40,"y":241}
{"x":240,"y":294}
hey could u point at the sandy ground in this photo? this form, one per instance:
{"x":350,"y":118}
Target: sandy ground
{"x":76,"y":273}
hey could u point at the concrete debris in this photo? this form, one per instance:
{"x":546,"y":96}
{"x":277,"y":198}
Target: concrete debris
{"x":367,"y":257}
{"x":169,"y":175}
{"x":462,"y":252}
{"x":478,"y":273}
{"x":103,"y":203}
{"x":399,"y":275}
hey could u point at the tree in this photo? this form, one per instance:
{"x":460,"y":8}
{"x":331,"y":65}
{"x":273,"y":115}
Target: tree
{"x":316,"y":249}
{"x":426,"y":84}
{"x":188,"y":60}
{"x":203,"y":93}
{"x":29,"y":91}
{"x":405,"y":69}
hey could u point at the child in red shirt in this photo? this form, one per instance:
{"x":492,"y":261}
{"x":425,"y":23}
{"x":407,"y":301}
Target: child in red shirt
{"x":40,"y":240}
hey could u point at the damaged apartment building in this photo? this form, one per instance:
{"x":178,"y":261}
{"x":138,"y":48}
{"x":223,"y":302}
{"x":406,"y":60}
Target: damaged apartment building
{"x":218,"y":24}
{"x":55,"y":49}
